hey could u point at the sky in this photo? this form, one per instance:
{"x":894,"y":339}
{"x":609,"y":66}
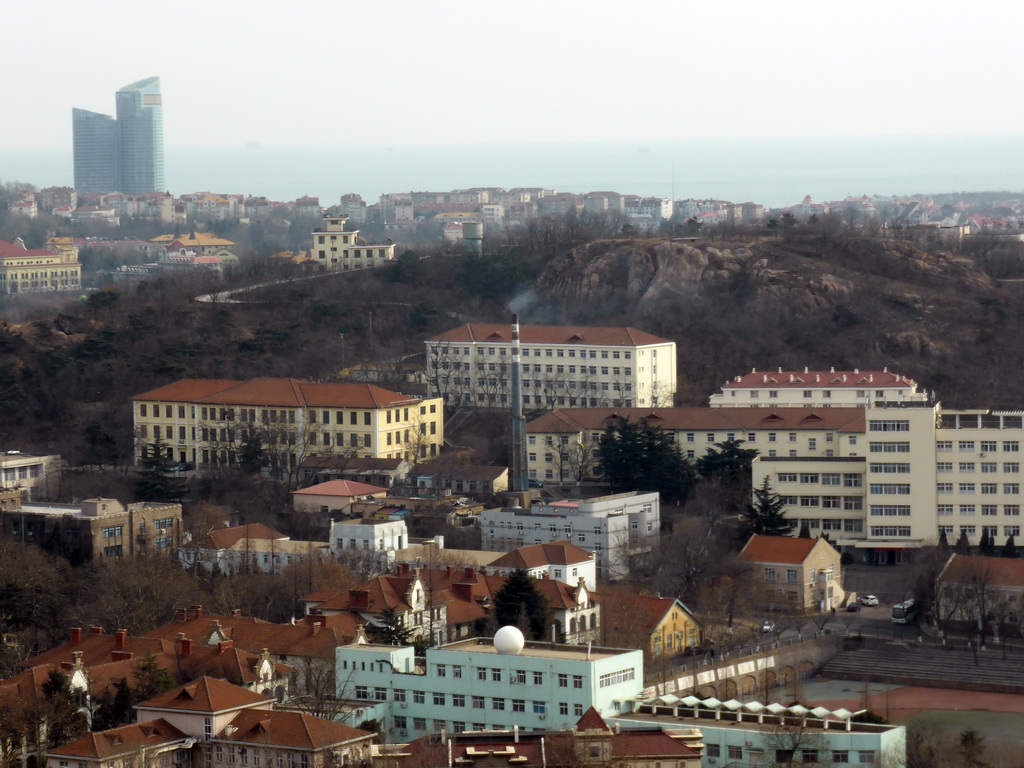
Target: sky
{"x":452,"y":72}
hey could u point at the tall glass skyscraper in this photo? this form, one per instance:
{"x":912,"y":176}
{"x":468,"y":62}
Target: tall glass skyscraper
{"x":95,"y":140}
{"x":126,"y":154}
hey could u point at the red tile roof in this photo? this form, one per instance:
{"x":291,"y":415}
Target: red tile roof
{"x":777,"y":549}
{"x":591,"y":721}
{"x":340,"y":488}
{"x":551,"y":334}
{"x":118,"y":741}
{"x":645,"y":611}
{"x":280,"y":393}
{"x":537,"y":555}
{"x":10,"y":251}
{"x":993,"y":571}
{"x":253,"y":635}
{"x":206,"y":695}
{"x":572,"y":420}
{"x":819,"y":379}
{"x":649,"y":744}
{"x":224,"y":538}
{"x":289,"y":729}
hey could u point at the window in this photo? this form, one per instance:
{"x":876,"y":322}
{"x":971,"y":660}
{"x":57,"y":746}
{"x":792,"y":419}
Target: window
{"x":965,"y":488}
{"x":944,"y":466}
{"x":1011,"y":467}
{"x":577,"y":681}
{"x":890,"y":510}
{"x":735,"y":753}
{"x":478,"y":702}
{"x":866,"y":756}
{"x":989,"y":510}
{"x":1011,"y":530}
{"x":944,"y":488}
{"x":419,"y":697}
{"x":498,"y":704}
{"x":944,"y":445}
{"x":840,"y":756}
{"x":458,"y":699}
{"x":944,"y":510}
{"x":967,"y":510}
{"x":769,"y":575}
{"x":989,"y":467}
{"x":831,"y":478}
{"x":966,"y":466}
{"x":989,"y":488}
{"x":968,"y":530}
{"x":890,"y":489}
{"x":787,"y":477}
{"x":481,"y":673}
{"x":852,"y":480}
{"x":538,"y":678}
{"x":1012,"y":489}
{"x":890,"y":469}
{"x":1011,"y":446}
{"x":1011,"y":510}
{"x":612,"y":678}
{"x":400,"y":695}
{"x":439,"y":699}
{"x":441,"y":670}
{"x":890,"y":530}
{"x":889,"y":425}
{"x":889,"y":447}
{"x":808,"y":479}
{"x":713,"y":750}
{"x":519,"y":676}
{"x":518,"y":705}
{"x":791,"y":576}
{"x":563,"y":680}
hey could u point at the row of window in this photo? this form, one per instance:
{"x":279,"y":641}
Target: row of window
{"x":847,"y":526}
{"x":273,"y":416}
{"x":527,"y":352}
{"x":458,"y":700}
{"x":991,"y":530}
{"x":403,"y":723}
{"x":848,"y":503}
{"x":1012,"y":489}
{"x":985,"y":446}
{"x":987,"y":510}
{"x":785,"y":756}
{"x":987,"y":467}
{"x":844,"y":479}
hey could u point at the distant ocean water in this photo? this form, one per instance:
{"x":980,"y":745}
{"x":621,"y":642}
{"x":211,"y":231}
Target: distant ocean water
{"x":775,"y":173}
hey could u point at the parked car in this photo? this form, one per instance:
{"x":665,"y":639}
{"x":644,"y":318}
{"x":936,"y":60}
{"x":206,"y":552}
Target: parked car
{"x":853,"y":607}
{"x":868,"y":600}
{"x":535,"y":483}
{"x":768,"y":626}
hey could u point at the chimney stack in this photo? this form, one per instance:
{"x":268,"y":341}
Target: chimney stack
{"x":518,"y":470}
{"x":183,"y":614}
{"x":120,"y":638}
{"x":95,"y":630}
{"x":225,"y":645}
{"x":76,"y":635}
{"x":186,"y":647}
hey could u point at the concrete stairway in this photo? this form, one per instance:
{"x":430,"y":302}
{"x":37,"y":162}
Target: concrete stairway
{"x":931,"y":667}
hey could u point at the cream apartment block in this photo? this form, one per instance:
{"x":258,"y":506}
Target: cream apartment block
{"x":562,"y":446}
{"x":816,"y":389}
{"x":335,"y":249}
{"x":914,"y":470}
{"x":210,"y":422}
{"x":562,"y":366}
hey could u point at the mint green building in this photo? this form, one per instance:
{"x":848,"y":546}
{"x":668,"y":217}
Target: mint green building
{"x":472,"y":686}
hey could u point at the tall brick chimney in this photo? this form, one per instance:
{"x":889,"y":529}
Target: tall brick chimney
{"x":76,"y":635}
{"x":186,"y":647}
{"x":120,"y":638}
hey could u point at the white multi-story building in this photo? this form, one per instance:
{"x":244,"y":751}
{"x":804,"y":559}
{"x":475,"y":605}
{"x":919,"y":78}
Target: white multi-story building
{"x":561,"y":366}
{"x":335,"y":249}
{"x":562,"y":446}
{"x":816,"y":389}
{"x":383,"y":536}
{"x":27,"y":473}
{"x":916,"y":470}
{"x":472,"y":685}
{"x":615,"y":528}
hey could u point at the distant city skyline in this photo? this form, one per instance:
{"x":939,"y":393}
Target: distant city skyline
{"x":126,"y":154}
{"x":459,"y":73}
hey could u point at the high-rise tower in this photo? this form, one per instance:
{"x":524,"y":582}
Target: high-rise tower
{"x":140,"y":137}
{"x":95,"y":141}
{"x":126,"y":154}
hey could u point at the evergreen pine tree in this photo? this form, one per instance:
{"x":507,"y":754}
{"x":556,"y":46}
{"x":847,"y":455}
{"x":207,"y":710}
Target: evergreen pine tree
{"x":943,"y":541}
{"x":392,"y":631}
{"x":1009,"y":548}
{"x":805,"y":530}
{"x":963,"y":546}
{"x":985,"y":543}
{"x":638,"y":456}
{"x":521,"y":604}
{"x":765,"y":515}
{"x":156,"y":481}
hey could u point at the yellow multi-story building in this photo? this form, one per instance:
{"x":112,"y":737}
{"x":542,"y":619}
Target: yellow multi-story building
{"x":36,"y":271}
{"x":213,"y":423}
{"x":201,"y":243}
{"x":334,"y":248}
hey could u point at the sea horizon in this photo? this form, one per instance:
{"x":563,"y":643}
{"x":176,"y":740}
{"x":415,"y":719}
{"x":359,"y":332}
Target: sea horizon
{"x":774,"y":173}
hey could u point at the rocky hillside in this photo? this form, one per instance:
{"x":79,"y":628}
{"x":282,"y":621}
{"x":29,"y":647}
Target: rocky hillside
{"x":869,"y":303}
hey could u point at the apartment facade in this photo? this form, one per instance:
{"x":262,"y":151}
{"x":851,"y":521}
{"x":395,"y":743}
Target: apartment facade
{"x":561,"y":366}
{"x":563,"y":446}
{"x":615,"y":528}
{"x":93,"y":528}
{"x":335,"y":249}
{"x":28,"y":474}
{"x":210,"y":422}
{"x":914,"y":471}
{"x":816,"y":389}
{"x":471,"y":685}
{"x":38,"y":270}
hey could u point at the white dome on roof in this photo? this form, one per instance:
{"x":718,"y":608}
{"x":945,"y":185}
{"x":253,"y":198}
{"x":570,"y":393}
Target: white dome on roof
{"x":509,"y":641}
